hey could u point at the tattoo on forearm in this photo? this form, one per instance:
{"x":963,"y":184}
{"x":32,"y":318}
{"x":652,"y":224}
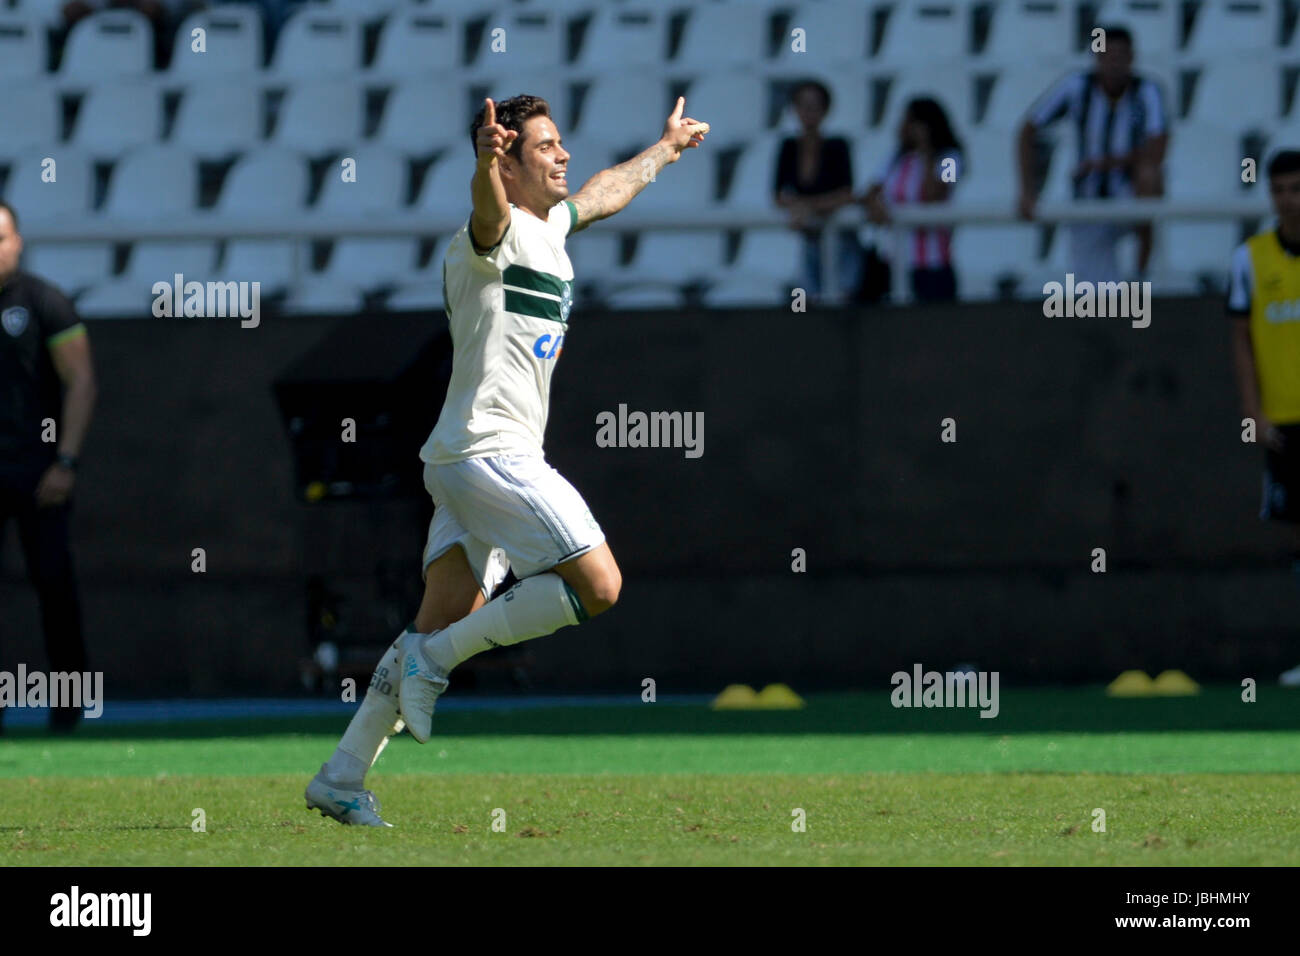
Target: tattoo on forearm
{"x":611,"y":189}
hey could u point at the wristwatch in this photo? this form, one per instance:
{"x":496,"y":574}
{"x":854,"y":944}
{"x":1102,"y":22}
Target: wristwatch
{"x":68,"y":461}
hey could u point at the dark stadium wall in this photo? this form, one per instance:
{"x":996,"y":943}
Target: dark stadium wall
{"x":822,"y":432}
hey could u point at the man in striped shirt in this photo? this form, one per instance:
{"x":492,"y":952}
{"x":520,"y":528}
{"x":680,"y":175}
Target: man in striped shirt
{"x":1123,"y":134}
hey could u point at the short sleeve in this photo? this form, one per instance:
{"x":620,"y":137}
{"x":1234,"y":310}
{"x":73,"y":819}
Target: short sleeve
{"x":563,"y":216}
{"x":1153,"y":103}
{"x":1240,"y":281}
{"x":58,"y":319}
{"x":505,"y":252}
{"x":1057,"y":101}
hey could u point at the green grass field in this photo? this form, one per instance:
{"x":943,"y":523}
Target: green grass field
{"x":1188,"y":781}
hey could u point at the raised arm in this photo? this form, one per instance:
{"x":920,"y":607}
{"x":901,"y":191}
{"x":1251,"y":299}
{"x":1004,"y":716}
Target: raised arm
{"x":611,"y":189}
{"x":491,"y":216}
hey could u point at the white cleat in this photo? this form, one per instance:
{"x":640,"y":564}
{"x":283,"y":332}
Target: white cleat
{"x":422,"y":684}
{"x":353,"y":807}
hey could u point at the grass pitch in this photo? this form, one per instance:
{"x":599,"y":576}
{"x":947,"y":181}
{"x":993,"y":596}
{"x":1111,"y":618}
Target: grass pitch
{"x":1194,"y":781}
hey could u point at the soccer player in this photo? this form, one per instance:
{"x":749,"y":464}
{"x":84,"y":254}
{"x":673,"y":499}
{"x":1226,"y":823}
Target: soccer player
{"x":1264,"y":301}
{"x":508,"y":289}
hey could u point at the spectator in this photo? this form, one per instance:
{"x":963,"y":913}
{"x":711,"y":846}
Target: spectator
{"x":1263,"y":292}
{"x":43,"y":351}
{"x":814,"y":177}
{"x":1123,"y":135}
{"x":923,"y":169}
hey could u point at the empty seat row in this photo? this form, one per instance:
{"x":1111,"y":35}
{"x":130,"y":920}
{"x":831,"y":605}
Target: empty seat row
{"x":417,"y":39}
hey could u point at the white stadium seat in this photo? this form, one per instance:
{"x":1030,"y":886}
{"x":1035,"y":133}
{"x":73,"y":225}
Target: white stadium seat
{"x":1025,"y":29}
{"x":751,"y":191}
{"x":153,"y":182}
{"x":722,"y":35}
{"x":314,"y":41}
{"x":1014,"y":90}
{"x":319,"y":294}
{"x":72,"y":266}
{"x":625,"y":111}
{"x":763,"y":273}
{"x":415,"y":42}
{"x":940,"y":29}
{"x":320,"y":117}
{"x":735,"y":105}
{"x":67,"y":198}
{"x":48,"y":13}
{"x":990,"y":174}
{"x":677,"y":257}
{"x":534,"y":39}
{"x":24,"y":46}
{"x":29,"y":116}
{"x":117,"y":117}
{"x":624,"y":36}
{"x":108,"y":44}
{"x":232,"y":42}
{"x":1238,"y":94}
{"x":1226,"y":27}
{"x":380,"y":186}
{"x":833,"y":34}
{"x":217,"y":119}
{"x":417,"y":297}
{"x":268,"y":182}
{"x":131,"y":296}
{"x":412,"y":125}
{"x":1155,"y":25}
{"x":444,"y":195}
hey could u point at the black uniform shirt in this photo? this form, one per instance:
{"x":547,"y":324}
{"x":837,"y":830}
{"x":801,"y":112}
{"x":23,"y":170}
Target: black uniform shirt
{"x":33,"y":317}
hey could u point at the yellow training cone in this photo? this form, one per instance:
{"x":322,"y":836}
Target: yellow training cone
{"x":736,"y":697}
{"x":779,"y":697}
{"x":1131,"y":684}
{"x":1175,"y":684}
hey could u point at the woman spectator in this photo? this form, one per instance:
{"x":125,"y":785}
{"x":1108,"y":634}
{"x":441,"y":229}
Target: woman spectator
{"x":926,"y":165}
{"x":814,"y":177}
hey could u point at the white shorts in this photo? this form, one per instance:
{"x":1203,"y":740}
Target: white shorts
{"x":507,"y":511}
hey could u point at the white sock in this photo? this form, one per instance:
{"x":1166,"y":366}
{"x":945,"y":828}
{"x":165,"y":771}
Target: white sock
{"x":374,"y":722}
{"x":535,"y":607}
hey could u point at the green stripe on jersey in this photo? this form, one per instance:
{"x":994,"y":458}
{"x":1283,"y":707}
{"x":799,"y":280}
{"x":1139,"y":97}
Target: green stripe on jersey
{"x":533,"y":305}
{"x":573,"y":215}
{"x":68,"y":333}
{"x":527,"y":278}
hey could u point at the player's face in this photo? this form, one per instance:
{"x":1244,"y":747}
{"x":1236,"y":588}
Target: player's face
{"x":544,"y":163}
{"x":1285,"y":190}
{"x":11,"y":245}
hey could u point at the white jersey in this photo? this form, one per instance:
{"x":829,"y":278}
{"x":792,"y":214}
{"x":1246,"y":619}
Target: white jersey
{"x":508,"y":311}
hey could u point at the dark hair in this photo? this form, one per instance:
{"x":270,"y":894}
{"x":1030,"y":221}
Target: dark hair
{"x":1283,"y":162}
{"x":13,"y":216}
{"x":512,"y":114}
{"x":1117,"y":32}
{"x":818,"y":87}
{"x":929,"y":112}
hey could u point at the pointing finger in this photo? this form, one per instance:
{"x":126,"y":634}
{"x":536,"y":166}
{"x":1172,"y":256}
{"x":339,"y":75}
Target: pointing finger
{"x":490,"y":112}
{"x":677,"y":110}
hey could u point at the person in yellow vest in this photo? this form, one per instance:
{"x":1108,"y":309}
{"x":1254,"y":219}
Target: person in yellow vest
{"x":1264,"y":302}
